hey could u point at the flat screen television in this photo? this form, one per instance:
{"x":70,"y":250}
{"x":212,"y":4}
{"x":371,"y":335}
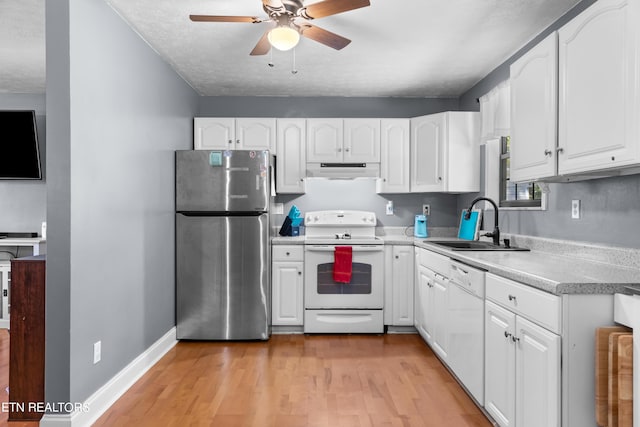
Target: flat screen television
{"x":19,"y":151}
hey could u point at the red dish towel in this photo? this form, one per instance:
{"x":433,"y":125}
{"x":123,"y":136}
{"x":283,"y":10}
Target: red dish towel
{"x":342,"y":264}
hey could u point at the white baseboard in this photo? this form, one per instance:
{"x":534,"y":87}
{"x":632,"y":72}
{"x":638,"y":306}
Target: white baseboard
{"x":103,"y":398}
{"x":4,"y":323}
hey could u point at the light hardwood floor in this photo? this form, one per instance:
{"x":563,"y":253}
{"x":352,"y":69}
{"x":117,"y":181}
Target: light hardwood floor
{"x":298,"y":380}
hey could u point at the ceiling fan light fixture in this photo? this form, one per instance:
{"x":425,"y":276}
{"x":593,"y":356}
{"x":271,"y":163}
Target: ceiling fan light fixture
{"x":283,"y":37}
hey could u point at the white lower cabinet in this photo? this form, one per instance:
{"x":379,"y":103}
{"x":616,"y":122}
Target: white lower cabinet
{"x":287,"y":285}
{"x":399,"y":289}
{"x":522,"y":363}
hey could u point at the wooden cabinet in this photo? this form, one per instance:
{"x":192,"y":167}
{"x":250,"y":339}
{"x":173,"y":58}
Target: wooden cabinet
{"x":215,"y":133}
{"x":522,"y":359}
{"x":27,"y":337}
{"x":287,"y":285}
{"x":445,"y":153}
{"x":399,"y":288}
{"x":291,"y":160}
{"x":534,"y":112}
{"x":395,"y":143}
{"x":343,"y":140}
{"x":599,"y":96}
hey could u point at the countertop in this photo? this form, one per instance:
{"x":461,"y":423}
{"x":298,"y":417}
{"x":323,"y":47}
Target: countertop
{"x":590,"y":269}
{"x":551,"y":272}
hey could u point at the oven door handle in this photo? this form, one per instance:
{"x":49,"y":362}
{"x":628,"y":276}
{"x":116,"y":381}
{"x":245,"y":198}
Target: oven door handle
{"x":358,"y":248}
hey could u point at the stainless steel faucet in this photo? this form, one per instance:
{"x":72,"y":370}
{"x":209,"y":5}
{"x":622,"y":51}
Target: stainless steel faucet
{"x":495,"y":234}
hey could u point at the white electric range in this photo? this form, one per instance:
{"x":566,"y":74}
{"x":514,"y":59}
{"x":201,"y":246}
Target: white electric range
{"x":332,"y":307}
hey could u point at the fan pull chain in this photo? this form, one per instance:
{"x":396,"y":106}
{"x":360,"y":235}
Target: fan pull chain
{"x":293,"y":69}
{"x":270,"y":63}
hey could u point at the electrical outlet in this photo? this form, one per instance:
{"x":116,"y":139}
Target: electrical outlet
{"x":426,"y":209}
{"x":575,"y":209}
{"x":97,"y":352}
{"x":390,"y":207}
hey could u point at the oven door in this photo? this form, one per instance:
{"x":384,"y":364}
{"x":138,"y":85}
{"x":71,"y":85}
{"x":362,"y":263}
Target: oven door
{"x":365,"y":289}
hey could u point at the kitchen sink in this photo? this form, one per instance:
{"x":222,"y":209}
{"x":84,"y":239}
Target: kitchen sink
{"x":473,"y":245}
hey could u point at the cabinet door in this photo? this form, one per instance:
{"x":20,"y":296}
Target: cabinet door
{"x":361,"y":141}
{"x":256,"y":134}
{"x":427,"y":144}
{"x":438,"y":309}
{"x":533,"y":112}
{"x":287,"y":287}
{"x":324,"y":140}
{"x":394,"y":156}
{"x":599,"y":88}
{"x":499,"y":362}
{"x":291,"y":160}
{"x":402,"y":282}
{"x":212,"y":133}
{"x":423,"y":322}
{"x":537,"y":376}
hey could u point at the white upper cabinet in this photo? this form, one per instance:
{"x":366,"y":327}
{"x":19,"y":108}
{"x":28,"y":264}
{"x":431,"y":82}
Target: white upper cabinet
{"x":324,"y":140}
{"x":222,"y":133}
{"x":395,"y":155}
{"x":534,"y":112}
{"x":599,"y":88}
{"x":343,"y":141}
{"x":214,"y":133}
{"x":445,"y":154}
{"x":361,"y":141}
{"x":291,"y":159}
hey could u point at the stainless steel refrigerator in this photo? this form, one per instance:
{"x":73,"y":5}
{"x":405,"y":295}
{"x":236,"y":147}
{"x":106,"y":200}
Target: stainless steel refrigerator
{"x":223,"y":265}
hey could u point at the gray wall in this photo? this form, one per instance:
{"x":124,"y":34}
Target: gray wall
{"x":113,"y":179}
{"x":251,"y":106}
{"x":23,"y":202}
{"x":609,"y":205}
{"x":360,"y":194}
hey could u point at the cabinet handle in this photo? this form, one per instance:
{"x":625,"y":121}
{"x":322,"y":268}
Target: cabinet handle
{"x":613,"y":158}
{"x":515,"y":339}
{"x":230,"y":142}
{"x":237,"y":141}
{"x":512,"y":298}
{"x":560,"y":149}
{"x":346,"y":149}
{"x":339,"y":150}
{"x":506,"y":334}
{"x":397,"y":256}
{"x":547,"y":153}
{"x":288,"y":253}
{"x":439,"y":178}
{"x":299,"y":273}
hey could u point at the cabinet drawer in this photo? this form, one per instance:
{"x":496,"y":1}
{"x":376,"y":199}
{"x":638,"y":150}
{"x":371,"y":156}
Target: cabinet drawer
{"x":287,"y":253}
{"x":538,"y":306}
{"x":433,"y":261}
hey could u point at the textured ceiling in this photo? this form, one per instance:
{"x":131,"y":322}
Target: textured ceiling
{"x":400,"y":48}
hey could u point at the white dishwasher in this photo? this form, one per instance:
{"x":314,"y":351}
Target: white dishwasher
{"x":466,"y":326}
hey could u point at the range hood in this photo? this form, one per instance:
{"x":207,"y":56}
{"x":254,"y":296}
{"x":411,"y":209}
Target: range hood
{"x":343,"y":170}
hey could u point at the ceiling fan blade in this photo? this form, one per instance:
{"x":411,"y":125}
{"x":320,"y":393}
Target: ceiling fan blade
{"x":323,"y":36}
{"x":217,"y":18}
{"x":330,"y":7}
{"x":263,"y":46}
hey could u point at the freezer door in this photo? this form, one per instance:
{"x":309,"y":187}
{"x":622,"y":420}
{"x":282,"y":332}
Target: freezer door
{"x":223,"y":273}
{"x":222,"y":181}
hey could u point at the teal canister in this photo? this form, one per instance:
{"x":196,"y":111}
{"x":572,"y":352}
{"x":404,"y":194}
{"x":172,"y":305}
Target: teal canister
{"x":420,"y":226}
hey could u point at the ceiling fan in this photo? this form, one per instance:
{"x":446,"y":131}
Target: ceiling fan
{"x":291,"y":20}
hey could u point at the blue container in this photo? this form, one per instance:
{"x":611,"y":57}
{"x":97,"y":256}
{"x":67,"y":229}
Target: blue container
{"x":420,"y":226}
